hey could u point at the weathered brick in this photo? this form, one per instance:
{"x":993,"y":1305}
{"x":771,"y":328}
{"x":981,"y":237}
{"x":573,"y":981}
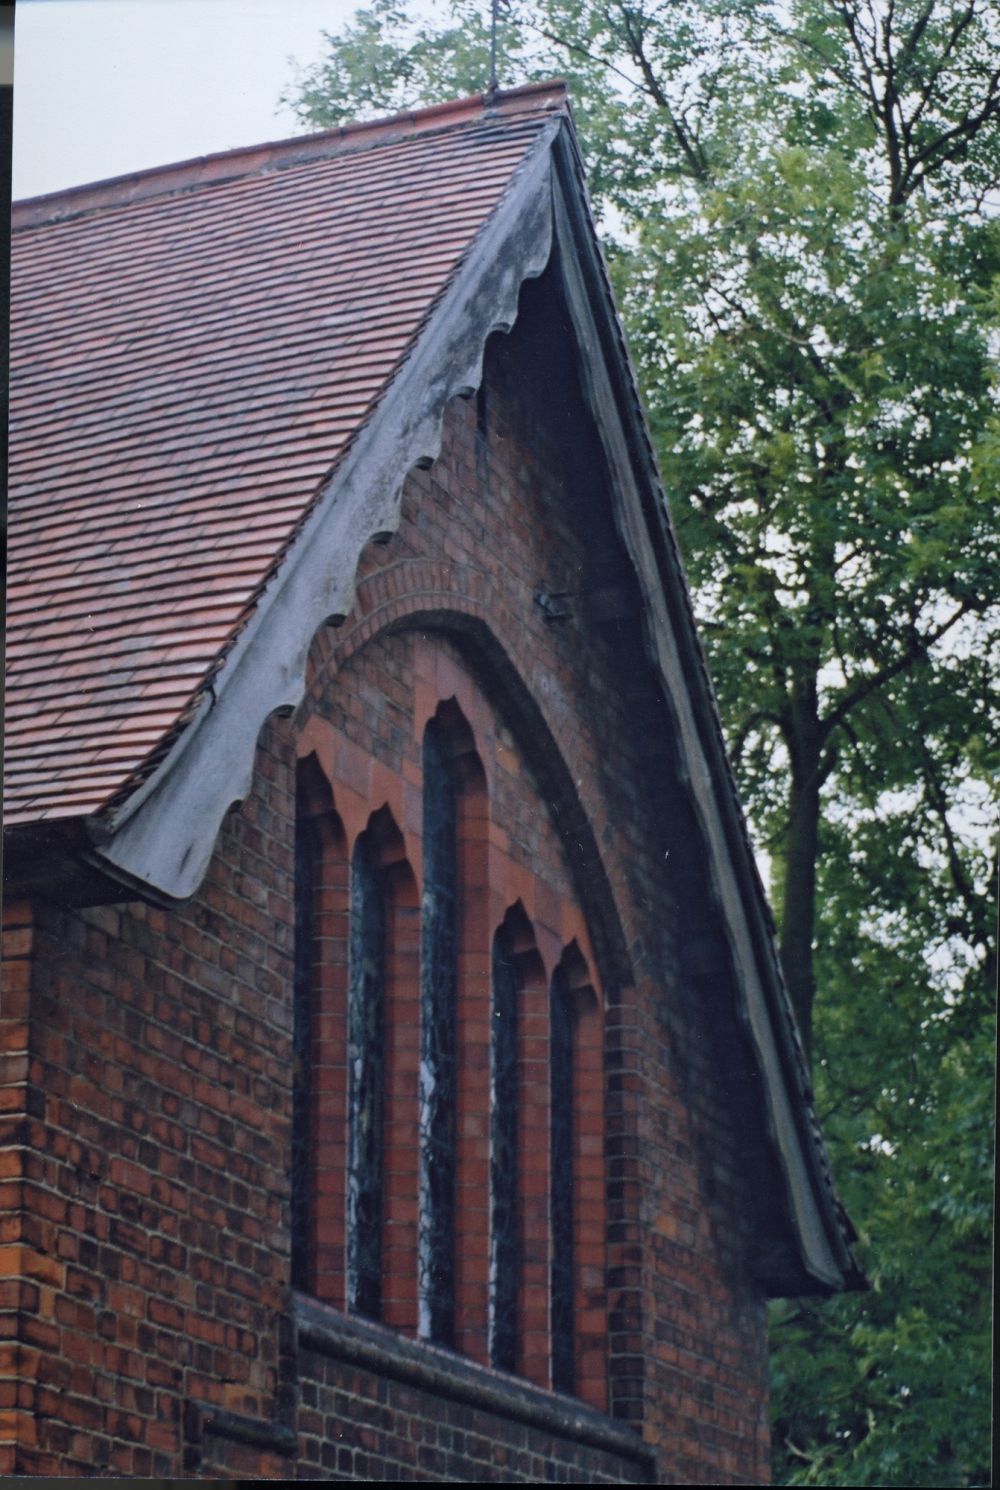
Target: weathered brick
{"x":161,"y":1038}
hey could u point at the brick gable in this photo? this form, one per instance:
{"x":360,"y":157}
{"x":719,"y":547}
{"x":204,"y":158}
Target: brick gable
{"x":208,"y":1268}
{"x":157,"y":1177}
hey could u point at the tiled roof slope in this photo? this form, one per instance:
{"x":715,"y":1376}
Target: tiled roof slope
{"x":193,"y":350}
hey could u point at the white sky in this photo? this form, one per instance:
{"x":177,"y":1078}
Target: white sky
{"x":102,"y":87}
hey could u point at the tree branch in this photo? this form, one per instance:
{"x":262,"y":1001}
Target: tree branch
{"x":916,"y":650}
{"x":966,"y":128}
{"x":913,"y":40}
{"x":576,"y":47}
{"x":978,"y":933}
{"x":757,"y":717}
{"x":962,"y":22}
{"x":849,"y":16}
{"x":690,"y":148}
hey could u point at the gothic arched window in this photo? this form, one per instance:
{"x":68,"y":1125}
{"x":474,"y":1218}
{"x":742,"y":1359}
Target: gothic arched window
{"x":447,"y":1098}
{"x":561,"y":1181}
{"x":366,"y":1092}
{"x":303,"y":1156}
{"x":438,"y":981}
{"x":318,"y":1036}
{"x":505,"y":1249}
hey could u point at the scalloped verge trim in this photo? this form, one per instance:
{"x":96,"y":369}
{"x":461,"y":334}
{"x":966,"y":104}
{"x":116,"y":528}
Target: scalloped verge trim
{"x":164,"y":834}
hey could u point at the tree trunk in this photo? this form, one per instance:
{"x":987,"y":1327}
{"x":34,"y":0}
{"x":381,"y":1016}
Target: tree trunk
{"x":798,"y":907}
{"x":800,"y":849}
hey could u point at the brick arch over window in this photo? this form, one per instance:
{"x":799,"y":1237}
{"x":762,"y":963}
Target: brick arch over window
{"x":464,"y":608}
{"x":372,"y":707}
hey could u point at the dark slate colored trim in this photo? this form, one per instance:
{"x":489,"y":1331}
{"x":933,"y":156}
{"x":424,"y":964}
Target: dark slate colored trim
{"x":642,"y":515}
{"x":430,"y":1368}
{"x":201,"y":1419}
{"x":51,"y":861}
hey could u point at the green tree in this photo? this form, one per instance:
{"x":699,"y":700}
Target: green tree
{"x":803,"y":248}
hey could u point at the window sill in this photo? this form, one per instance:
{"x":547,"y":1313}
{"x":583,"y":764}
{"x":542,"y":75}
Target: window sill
{"x":361,"y":1342}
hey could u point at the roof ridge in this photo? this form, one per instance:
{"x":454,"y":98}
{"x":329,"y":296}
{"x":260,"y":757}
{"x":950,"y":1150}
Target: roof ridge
{"x":548,"y":96}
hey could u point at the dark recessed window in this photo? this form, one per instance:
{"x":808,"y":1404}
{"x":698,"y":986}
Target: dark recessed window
{"x":302,"y":1035}
{"x":365,"y":1055}
{"x":561,"y":1194}
{"x":504,"y":1221}
{"x":438,"y":979}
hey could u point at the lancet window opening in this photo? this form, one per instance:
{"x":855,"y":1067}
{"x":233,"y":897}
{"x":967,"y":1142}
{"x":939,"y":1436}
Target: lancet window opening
{"x":562,"y":1184}
{"x":366,"y":1088}
{"x":438,"y":1017}
{"x":303,"y":1148}
{"x":320,"y":921}
{"x":505,"y":1169}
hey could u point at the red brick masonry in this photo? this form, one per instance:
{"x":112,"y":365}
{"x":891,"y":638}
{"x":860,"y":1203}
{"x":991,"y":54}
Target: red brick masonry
{"x":149,"y":1323}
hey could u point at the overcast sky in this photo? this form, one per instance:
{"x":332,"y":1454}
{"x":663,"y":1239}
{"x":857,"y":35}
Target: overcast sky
{"x":102,"y":87}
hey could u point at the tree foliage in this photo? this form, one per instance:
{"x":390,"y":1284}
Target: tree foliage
{"x":801,"y":221}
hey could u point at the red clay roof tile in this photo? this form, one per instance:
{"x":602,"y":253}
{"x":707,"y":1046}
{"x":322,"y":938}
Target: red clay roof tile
{"x":192,"y":350}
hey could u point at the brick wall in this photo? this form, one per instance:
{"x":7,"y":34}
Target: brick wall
{"x":152,"y":1309}
{"x":24,"y":1268}
{"x":155,"y":1181}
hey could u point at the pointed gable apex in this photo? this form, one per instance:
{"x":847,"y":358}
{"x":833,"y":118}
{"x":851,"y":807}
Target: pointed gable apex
{"x":263,"y":346}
